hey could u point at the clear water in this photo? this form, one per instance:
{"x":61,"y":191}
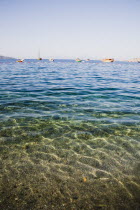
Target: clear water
{"x":69,"y":135}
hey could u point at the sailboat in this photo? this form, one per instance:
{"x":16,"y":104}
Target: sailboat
{"x":39,"y":58}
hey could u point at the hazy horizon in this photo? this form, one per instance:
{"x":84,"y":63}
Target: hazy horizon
{"x":92,"y":29}
{"x":74,"y":58}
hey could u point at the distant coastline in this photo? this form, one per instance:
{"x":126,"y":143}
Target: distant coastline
{"x":126,"y":60}
{"x":5,"y":57}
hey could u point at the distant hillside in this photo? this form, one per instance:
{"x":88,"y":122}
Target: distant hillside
{"x":5,"y":57}
{"x":134,"y":60}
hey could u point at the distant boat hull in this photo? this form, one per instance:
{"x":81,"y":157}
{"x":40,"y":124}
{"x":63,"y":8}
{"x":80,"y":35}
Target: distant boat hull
{"x":39,"y":59}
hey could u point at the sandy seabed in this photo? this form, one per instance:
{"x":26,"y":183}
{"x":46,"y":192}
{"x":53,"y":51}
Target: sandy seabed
{"x":60,"y":164}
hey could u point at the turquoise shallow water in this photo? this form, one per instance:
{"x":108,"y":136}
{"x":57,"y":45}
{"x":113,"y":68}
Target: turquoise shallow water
{"x":69,"y":135}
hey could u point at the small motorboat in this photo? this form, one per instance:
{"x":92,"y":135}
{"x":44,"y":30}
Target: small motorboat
{"x":20,"y":61}
{"x":78,"y":60}
{"x":39,"y":59}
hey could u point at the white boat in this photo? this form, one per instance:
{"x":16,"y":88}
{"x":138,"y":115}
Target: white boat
{"x":51,"y":59}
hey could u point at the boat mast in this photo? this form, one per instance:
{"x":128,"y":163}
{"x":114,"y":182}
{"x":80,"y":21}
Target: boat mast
{"x":39,"y":53}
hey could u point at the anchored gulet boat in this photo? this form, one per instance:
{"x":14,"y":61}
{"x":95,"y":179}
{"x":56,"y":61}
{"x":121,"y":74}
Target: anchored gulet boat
{"x":108,"y":60}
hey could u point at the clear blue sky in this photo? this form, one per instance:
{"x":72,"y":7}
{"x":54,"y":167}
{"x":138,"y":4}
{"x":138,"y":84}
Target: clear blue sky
{"x":70,"y":28}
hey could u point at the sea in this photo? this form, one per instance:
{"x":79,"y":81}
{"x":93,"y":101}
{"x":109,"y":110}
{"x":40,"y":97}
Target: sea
{"x":69,"y":135}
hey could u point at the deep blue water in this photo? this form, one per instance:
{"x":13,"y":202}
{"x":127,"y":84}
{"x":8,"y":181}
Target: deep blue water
{"x":81,"y":91}
{"x":71,"y":121}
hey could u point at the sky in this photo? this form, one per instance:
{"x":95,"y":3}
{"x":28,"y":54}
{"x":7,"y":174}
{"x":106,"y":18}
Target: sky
{"x":92,"y":29}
